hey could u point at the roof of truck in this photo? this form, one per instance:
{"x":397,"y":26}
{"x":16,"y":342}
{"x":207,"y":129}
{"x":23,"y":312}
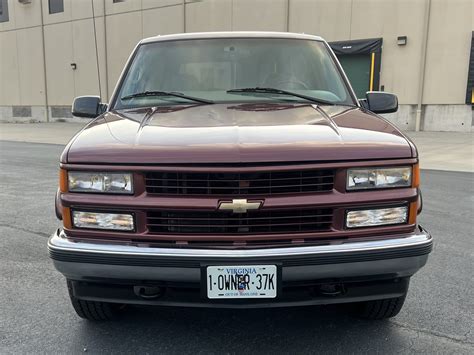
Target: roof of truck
{"x":236,"y":34}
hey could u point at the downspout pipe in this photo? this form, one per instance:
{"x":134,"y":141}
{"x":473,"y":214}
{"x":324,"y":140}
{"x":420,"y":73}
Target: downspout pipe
{"x":46,"y":101}
{"x":421,"y":84}
{"x":288,"y":6}
{"x":184,"y":16}
{"x":106,"y":65}
{"x":96,"y":50}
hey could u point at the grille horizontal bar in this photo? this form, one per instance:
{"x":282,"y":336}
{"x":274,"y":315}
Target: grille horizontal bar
{"x":225,"y":183}
{"x":228,"y":223}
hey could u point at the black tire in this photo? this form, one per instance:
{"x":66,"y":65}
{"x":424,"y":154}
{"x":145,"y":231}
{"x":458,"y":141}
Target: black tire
{"x":92,"y":310}
{"x":380,"y":309}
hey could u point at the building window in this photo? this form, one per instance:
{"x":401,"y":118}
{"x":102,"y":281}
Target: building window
{"x":3,"y":10}
{"x":56,"y":6}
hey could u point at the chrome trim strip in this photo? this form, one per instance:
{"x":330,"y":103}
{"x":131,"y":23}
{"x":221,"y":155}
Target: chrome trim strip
{"x":59,"y":241}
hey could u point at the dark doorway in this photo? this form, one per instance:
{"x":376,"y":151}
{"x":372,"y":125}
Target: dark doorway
{"x":361,"y":60}
{"x":470,"y":76}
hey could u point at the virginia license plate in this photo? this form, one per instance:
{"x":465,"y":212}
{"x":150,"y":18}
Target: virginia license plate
{"x":242,"y":281}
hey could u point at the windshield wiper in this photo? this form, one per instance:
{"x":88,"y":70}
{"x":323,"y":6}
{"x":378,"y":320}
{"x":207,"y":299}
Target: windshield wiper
{"x":166,"y":93}
{"x":279,"y":92}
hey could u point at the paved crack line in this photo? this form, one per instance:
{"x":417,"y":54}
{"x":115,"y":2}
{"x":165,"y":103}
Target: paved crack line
{"x":45,"y":235}
{"x":457,"y":339}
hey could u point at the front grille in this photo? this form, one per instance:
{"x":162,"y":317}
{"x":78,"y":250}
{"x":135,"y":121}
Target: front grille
{"x":228,"y":223}
{"x":228,"y":183}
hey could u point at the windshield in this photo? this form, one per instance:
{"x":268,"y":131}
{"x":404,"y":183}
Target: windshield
{"x":209,"y":68}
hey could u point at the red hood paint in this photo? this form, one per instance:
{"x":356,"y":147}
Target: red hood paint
{"x":235,"y":133}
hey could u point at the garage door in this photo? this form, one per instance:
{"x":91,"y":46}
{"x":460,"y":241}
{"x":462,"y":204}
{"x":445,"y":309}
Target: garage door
{"x":357,"y":68}
{"x":361,"y":60}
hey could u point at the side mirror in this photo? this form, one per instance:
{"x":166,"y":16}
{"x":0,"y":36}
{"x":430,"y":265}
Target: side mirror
{"x":363,"y":103}
{"x":381,"y":102}
{"x":87,"y":106}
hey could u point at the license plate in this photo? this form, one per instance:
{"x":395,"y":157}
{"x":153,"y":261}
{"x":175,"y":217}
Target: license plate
{"x":241,"y":281}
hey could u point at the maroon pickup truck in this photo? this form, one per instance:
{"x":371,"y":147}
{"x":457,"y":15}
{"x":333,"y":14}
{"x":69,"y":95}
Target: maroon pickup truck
{"x":238,"y":170}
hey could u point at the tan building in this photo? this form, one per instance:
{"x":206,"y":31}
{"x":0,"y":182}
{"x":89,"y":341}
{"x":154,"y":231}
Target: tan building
{"x":54,"y":50}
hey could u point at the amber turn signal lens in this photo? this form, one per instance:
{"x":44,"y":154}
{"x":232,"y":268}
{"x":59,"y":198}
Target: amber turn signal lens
{"x":62,"y":180}
{"x":416,"y":175}
{"x":67,"y":218}
{"x":413,"y":213}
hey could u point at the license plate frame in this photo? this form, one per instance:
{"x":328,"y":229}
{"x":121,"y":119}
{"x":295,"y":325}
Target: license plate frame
{"x":204,"y":281}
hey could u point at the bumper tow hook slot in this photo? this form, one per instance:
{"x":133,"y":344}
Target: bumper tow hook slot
{"x":148,"y":292}
{"x":331,"y":289}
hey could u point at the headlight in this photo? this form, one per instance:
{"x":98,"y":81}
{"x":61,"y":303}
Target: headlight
{"x":376,"y":217}
{"x":116,"y":183}
{"x":378,"y":178}
{"x":112,"y":221}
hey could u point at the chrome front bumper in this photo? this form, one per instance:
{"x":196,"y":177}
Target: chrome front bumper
{"x":399,"y":256}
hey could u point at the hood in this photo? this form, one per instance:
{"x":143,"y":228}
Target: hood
{"x":236,"y":133}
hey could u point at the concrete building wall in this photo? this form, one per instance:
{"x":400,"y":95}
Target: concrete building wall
{"x":210,"y":15}
{"x":449,"y":47}
{"x":259,"y":15}
{"x":400,"y":64}
{"x":448,"y":51}
{"x":21,"y":65}
{"x":329,"y":19}
{"x":121,"y":41}
{"x":69,"y":38}
{"x":371,"y":19}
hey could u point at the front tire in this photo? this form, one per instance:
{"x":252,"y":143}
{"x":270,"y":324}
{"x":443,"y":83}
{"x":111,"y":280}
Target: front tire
{"x":92,"y":310}
{"x":380,"y":309}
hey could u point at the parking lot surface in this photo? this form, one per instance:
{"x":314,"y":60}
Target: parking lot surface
{"x":36,"y":317}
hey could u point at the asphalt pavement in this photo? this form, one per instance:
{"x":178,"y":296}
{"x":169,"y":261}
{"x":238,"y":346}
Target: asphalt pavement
{"x":36,"y":317}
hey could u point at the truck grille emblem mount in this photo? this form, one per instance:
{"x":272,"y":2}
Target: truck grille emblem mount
{"x":239,"y":205}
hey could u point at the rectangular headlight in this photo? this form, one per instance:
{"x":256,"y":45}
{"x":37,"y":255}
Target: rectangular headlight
{"x":115,"y":183}
{"x":376,"y":217}
{"x":378,"y":178}
{"x":110,"y":221}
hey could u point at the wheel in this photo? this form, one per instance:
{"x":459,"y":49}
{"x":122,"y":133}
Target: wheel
{"x":379,"y":309}
{"x":92,"y":310}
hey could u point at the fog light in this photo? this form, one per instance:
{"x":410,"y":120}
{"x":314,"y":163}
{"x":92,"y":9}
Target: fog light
{"x":111,"y":221}
{"x":376,"y":217}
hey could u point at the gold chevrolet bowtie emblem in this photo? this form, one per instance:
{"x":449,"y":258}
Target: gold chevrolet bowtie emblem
{"x":240,"y":205}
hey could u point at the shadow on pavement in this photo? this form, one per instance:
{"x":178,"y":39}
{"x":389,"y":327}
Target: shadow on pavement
{"x":278,"y":330}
